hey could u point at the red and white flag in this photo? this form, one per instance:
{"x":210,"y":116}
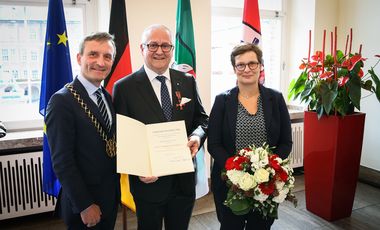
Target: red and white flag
{"x":252,"y":28}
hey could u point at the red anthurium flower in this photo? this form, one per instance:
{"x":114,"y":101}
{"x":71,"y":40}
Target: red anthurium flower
{"x":361,"y":73}
{"x":317,"y":56}
{"x":342,"y":81}
{"x":351,"y":62}
{"x":267,"y":188}
{"x":302,"y":66}
{"x":326,"y":75}
{"x":313,"y":64}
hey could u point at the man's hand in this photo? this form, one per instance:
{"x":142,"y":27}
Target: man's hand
{"x":194,"y":144}
{"x":91,"y":215}
{"x":149,"y":179}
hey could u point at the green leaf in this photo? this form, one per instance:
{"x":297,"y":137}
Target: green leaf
{"x":319,"y":111}
{"x":343,"y":72}
{"x":239,"y":206}
{"x":291,"y":89}
{"x":367,"y":85}
{"x":307,"y":90}
{"x":339,"y":56}
{"x":354,"y":90}
{"x":300,"y":84}
{"x":376,"y":80}
{"x":328,"y":94}
{"x":343,"y":103}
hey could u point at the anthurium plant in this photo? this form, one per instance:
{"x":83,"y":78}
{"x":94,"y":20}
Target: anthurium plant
{"x":332,"y":84}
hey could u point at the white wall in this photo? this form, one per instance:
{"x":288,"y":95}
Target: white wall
{"x":300,"y":19}
{"x":141,"y":16}
{"x":364,"y":18}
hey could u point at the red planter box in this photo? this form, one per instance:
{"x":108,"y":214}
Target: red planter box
{"x":332,"y":150}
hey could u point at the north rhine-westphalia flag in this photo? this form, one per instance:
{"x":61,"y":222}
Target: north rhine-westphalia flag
{"x":185,"y":61}
{"x":252,"y":28}
{"x":121,"y":68}
{"x":56,"y":72}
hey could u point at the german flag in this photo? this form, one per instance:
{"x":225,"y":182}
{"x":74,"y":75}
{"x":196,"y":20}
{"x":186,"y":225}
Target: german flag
{"x":119,"y":28}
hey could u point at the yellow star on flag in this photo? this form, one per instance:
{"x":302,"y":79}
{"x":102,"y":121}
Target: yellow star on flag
{"x":62,"y":38}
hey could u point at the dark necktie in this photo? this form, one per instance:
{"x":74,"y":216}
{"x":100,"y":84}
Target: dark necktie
{"x":102,"y":108}
{"x":165,"y":99}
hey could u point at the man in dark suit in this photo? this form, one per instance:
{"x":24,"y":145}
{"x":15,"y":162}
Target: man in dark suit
{"x":80,"y":123}
{"x":144,"y":95}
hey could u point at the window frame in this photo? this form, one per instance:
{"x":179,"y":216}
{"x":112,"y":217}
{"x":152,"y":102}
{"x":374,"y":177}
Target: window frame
{"x":267,"y":14}
{"x":90,"y":23}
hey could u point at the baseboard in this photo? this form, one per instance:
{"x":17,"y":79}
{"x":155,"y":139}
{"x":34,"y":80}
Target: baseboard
{"x":369,"y":176}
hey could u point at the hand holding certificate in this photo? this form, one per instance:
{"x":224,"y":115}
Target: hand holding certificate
{"x":152,"y":150}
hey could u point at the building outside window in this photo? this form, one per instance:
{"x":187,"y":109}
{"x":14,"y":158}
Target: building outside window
{"x":23,"y":29}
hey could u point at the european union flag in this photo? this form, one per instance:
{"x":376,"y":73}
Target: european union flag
{"x":56,"y":72}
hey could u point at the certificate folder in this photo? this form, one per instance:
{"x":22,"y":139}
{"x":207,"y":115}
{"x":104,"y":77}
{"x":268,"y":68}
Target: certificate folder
{"x":152,"y":150}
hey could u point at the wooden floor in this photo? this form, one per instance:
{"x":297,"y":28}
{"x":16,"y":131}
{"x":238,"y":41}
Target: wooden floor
{"x":365,"y":214}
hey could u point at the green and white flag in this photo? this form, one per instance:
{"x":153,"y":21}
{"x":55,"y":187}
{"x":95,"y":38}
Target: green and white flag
{"x":184,"y":39}
{"x":185,"y":62}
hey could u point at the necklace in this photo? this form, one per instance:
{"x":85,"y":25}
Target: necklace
{"x":246,"y":96}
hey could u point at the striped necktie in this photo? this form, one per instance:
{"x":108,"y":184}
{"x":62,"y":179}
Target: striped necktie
{"x":165,"y":99}
{"x":103,"y":108}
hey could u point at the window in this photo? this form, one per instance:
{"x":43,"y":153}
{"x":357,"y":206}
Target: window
{"x":5,"y":56}
{"x":23,"y":26}
{"x":227,"y":32}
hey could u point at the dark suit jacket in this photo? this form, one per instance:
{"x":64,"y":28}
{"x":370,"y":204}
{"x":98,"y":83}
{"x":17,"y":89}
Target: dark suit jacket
{"x":134,"y":97}
{"x":87,"y":174}
{"x":222,"y":128}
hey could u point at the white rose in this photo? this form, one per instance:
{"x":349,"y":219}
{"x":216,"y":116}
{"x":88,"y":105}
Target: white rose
{"x":259,"y":196}
{"x":254,"y":158}
{"x":247,"y":182}
{"x":264,"y":154}
{"x":279,"y":185}
{"x":281,"y":196}
{"x":234,"y":175}
{"x":261,"y":175}
{"x":263,"y":162}
{"x":258,"y":151}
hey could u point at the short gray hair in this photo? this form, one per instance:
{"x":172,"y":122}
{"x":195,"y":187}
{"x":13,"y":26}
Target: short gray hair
{"x":99,"y":37}
{"x":153,"y":27}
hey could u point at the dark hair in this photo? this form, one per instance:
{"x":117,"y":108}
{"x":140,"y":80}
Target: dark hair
{"x":99,"y":37}
{"x":244,"y":48}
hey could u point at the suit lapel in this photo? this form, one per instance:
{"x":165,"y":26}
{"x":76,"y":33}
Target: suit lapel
{"x":177,"y":92}
{"x":267,"y":108}
{"x":231,"y":110}
{"x":147,"y":94}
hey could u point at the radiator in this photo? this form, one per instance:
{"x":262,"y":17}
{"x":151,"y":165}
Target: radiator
{"x":21,"y":186}
{"x":296,"y":155}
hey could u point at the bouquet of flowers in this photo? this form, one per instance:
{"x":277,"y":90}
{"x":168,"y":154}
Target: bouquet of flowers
{"x":258,"y":180}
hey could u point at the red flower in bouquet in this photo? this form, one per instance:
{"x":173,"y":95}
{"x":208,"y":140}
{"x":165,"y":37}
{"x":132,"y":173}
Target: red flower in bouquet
{"x":258,"y":180}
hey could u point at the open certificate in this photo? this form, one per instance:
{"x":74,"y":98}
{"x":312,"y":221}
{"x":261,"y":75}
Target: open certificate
{"x":152,"y":150}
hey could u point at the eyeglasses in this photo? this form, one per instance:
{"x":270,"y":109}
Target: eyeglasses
{"x":251,"y":65}
{"x":165,"y":47}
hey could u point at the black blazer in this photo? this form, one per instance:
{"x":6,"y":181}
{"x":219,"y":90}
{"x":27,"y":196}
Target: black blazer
{"x":134,"y":97}
{"x":222,"y":127}
{"x":87,"y":174}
